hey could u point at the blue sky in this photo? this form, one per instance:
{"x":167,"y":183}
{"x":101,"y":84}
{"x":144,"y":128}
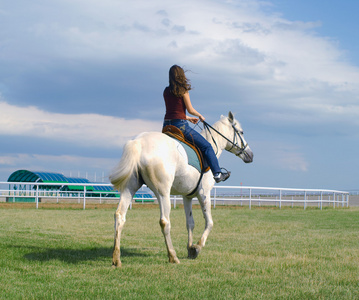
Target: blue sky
{"x":79,"y":78}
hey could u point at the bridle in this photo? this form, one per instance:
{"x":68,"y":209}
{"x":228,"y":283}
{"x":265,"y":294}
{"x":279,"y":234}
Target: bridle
{"x":234,"y":143}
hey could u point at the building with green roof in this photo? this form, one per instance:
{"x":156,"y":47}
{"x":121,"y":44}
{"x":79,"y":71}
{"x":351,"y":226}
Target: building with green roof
{"x":26,"y":176}
{"x":65,"y":186}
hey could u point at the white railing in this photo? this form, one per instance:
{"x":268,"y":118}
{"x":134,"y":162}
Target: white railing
{"x":42,"y":190}
{"x":279,"y":196}
{"x":236,"y":195}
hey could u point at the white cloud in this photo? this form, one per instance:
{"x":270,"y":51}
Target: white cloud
{"x":280,"y":156}
{"x":292,"y":161}
{"x":82,"y":129}
{"x":284,"y":65}
{"x":239,"y":43}
{"x":227,"y":36}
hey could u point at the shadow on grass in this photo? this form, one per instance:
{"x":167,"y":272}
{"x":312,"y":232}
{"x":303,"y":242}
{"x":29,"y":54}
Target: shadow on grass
{"x":75,"y":256}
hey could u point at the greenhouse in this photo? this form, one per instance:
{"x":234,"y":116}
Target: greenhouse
{"x":61,"y":184}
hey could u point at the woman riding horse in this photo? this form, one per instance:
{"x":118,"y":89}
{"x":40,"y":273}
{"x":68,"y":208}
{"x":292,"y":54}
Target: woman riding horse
{"x":177,"y":101}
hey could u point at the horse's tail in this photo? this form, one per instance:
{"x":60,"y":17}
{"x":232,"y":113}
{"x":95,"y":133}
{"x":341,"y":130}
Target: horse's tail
{"x":127,"y":166}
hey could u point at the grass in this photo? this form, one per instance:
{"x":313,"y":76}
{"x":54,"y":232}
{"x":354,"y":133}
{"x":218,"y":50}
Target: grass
{"x":260,"y":253}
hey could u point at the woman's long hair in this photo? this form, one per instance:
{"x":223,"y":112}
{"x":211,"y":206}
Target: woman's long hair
{"x":179,"y":84}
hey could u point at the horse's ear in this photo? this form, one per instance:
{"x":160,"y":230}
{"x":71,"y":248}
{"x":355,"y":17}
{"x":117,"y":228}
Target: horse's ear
{"x":230,"y":117}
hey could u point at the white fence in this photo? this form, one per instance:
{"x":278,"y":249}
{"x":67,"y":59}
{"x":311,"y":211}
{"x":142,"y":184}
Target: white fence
{"x":279,"y":196}
{"x":221,"y":195}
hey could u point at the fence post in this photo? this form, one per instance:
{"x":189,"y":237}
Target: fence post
{"x":250,"y":198}
{"x":280,"y":199}
{"x":214,"y":198}
{"x":37,"y":196}
{"x":321,"y":200}
{"x":305,"y":199}
{"x":84,"y":197}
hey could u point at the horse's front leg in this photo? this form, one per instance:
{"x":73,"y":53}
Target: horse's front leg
{"x":205,"y":202}
{"x":165,"y":209}
{"x":187,"y":203}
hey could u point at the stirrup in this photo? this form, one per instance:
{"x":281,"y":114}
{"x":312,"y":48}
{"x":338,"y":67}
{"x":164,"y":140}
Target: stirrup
{"x":223,"y":176}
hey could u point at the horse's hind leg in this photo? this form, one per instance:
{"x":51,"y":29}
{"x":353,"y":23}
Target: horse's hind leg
{"x":187,"y":203}
{"x":120,"y":217}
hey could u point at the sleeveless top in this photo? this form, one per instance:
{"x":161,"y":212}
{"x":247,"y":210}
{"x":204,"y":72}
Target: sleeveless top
{"x":175,"y":106}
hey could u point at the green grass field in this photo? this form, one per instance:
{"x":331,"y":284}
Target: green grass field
{"x":262,"y":253}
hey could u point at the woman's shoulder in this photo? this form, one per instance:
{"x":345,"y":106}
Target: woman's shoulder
{"x":167,"y":91}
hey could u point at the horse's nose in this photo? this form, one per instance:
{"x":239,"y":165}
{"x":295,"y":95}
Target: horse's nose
{"x":248,"y":155}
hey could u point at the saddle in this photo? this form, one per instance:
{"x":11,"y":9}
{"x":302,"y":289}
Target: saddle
{"x":195,"y":157}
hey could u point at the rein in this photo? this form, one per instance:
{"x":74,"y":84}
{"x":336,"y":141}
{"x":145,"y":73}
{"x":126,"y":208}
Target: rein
{"x":233,"y":143}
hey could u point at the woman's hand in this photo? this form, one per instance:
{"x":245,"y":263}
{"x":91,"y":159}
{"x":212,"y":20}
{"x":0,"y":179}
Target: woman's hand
{"x":201,"y":118}
{"x":193,"y":120}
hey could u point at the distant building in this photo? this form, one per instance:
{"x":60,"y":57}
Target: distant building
{"x":25,"y":192}
{"x":64,"y":187}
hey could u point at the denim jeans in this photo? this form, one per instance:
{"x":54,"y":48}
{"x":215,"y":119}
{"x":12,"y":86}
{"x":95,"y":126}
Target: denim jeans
{"x":193,"y":136}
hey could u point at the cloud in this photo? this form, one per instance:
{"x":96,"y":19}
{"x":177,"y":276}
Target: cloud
{"x":293,"y":161}
{"x":95,"y":51}
{"x":281,"y":156}
{"x":83,"y":129}
{"x":238,"y":41}
{"x":242,"y":46}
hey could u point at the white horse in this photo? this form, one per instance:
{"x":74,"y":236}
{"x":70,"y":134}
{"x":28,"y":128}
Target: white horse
{"x":152,"y":158}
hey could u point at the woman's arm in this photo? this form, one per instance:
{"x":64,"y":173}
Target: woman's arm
{"x":190,"y":109}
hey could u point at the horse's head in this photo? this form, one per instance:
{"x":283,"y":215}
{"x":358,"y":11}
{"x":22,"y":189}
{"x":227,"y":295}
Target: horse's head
{"x":237,"y":144}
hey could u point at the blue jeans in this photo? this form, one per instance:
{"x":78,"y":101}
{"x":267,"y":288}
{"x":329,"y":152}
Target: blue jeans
{"x":193,"y":136}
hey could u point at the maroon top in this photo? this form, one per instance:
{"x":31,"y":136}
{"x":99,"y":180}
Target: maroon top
{"x":175,"y":106}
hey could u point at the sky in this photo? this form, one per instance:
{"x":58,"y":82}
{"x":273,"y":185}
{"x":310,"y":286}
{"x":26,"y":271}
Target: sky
{"x":79,"y":78}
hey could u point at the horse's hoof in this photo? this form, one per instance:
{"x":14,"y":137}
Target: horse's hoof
{"x":116,"y":264}
{"x":193,"y":252}
{"x":174,"y":260}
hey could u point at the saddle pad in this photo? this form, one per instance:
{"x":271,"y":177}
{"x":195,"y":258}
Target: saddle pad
{"x":188,"y":154}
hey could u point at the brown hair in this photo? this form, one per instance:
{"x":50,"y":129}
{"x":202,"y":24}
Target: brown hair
{"x":179,"y":84}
